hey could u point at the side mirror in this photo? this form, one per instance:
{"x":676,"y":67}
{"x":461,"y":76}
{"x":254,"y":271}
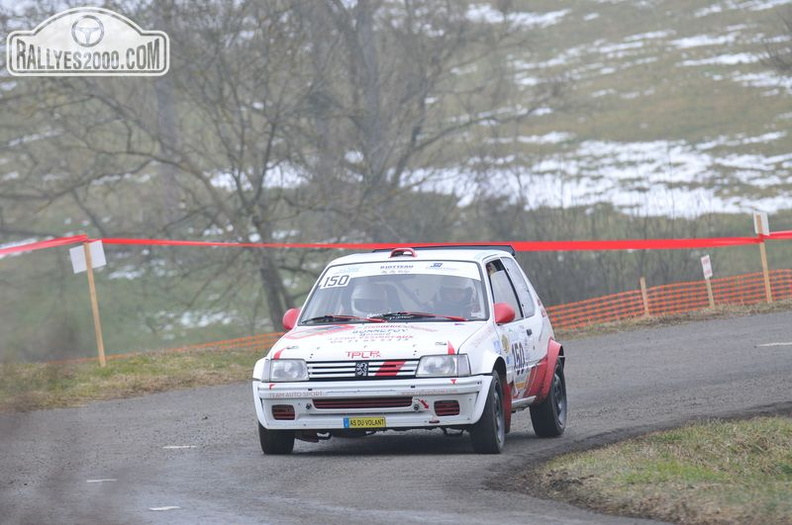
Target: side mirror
{"x":504,"y":313}
{"x":290,"y":318}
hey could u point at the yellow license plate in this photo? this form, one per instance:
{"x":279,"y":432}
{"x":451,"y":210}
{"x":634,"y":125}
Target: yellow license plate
{"x":364,"y":422}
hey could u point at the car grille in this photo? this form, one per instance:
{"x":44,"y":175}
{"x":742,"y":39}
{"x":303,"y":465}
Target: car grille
{"x":362,"y":370}
{"x":371,"y":402}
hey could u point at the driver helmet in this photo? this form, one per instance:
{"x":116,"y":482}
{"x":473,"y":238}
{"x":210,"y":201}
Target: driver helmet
{"x":367,"y":299}
{"x":456,"y":293}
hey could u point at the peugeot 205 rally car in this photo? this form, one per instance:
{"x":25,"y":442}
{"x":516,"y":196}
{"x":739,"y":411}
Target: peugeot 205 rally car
{"x":413,"y":338}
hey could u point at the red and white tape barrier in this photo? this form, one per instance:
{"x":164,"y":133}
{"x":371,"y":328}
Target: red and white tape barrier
{"x":520,"y":246}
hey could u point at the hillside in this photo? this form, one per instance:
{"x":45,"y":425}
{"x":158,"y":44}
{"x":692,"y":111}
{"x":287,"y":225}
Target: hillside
{"x":673,"y":108}
{"x":670,"y":124}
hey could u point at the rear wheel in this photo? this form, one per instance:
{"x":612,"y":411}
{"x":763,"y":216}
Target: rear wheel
{"x":489,"y":433}
{"x":549,"y":417}
{"x":276,"y":442}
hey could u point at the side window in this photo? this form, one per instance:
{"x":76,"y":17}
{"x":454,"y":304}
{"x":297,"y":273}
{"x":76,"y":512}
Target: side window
{"x":521,"y":287}
{"x":502,"y":289}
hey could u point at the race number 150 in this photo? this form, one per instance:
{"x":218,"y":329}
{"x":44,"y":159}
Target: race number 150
{"x":332,"y":281}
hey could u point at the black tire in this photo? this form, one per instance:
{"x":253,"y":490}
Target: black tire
{"x":489,"y":433}
{"x":549,"y":417}
{"x":276,"y":442}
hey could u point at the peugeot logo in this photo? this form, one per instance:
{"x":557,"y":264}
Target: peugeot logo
{"x":87,"y":31}
{"x":361,"y":369}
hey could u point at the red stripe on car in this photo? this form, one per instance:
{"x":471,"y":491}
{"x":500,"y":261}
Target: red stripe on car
{"x":390,"y":368}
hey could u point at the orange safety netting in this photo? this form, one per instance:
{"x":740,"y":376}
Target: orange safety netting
{"x":672,"y":299}
{"x":662,"y":300}
{"x":259,"y":342}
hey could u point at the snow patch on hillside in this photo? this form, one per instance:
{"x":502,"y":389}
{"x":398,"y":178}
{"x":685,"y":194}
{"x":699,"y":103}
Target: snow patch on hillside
{"x":671,"y":178}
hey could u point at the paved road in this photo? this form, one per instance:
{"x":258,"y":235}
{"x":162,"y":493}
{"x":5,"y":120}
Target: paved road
{"x":193,"y":456}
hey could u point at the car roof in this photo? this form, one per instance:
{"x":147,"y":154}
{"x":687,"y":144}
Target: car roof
{"x":473,"y":253}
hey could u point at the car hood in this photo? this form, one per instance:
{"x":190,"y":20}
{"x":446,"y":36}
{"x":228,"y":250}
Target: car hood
{"x":340,"y":342}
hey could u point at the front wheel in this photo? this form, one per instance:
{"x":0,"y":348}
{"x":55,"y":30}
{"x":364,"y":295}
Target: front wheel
{"x":276,"y":442}
{"x":549,"y":416}
{"x":489,"y":433}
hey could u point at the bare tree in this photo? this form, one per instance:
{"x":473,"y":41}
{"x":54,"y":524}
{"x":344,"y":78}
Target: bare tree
{"x":278,"y":121}
{"x":404,"y":89}
{"x":215,"y":138}
{"x":779,"y":51}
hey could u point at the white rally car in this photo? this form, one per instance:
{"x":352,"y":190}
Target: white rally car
{"x":413,"y":338}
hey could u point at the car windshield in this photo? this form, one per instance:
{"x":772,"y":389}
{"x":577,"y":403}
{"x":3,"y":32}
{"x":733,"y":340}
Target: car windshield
{"x":397,"y":292}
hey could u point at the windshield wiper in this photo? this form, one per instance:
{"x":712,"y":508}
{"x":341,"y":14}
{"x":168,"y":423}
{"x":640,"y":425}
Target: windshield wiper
{"x":335,"y":318}
{"x":397,"y":316}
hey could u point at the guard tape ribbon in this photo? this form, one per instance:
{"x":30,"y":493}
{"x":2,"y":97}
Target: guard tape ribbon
{"x":520,"y":246}
{"x":50,"y":243}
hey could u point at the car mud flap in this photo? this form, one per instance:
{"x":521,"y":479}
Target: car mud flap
{"x":309,"y":436}
{"x":545,"y":372}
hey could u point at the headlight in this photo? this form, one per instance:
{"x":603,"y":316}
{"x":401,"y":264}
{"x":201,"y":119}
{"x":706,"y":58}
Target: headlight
{"x":443,"y":366}
{"x":280,"y":370}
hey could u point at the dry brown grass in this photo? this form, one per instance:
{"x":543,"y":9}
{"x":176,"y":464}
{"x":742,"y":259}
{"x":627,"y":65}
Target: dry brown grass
{"x":32,"y":386}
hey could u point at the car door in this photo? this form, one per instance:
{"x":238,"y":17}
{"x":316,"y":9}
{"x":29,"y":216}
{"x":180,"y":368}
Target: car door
{"x":532,"y":321}
{"x":515,"y":336}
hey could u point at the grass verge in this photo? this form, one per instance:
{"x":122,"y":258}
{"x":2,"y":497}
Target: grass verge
{"x":717,"y":472}
{"x":32,"y":386}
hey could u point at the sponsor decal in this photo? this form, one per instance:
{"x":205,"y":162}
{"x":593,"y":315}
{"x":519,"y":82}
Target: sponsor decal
{"x":363,"y":354}
{"x":87,"y":41}
{"x":396,"y":268}
{"x":347,"y":269}
{"x":276,"y":394}
{"x":433,"y":392}
{"x":483,"y":337}
{"x":317,"y":331}
{"x":378,"y":333}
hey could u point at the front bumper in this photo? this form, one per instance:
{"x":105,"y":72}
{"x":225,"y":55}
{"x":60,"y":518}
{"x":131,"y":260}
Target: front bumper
{"x":404,"y":403}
